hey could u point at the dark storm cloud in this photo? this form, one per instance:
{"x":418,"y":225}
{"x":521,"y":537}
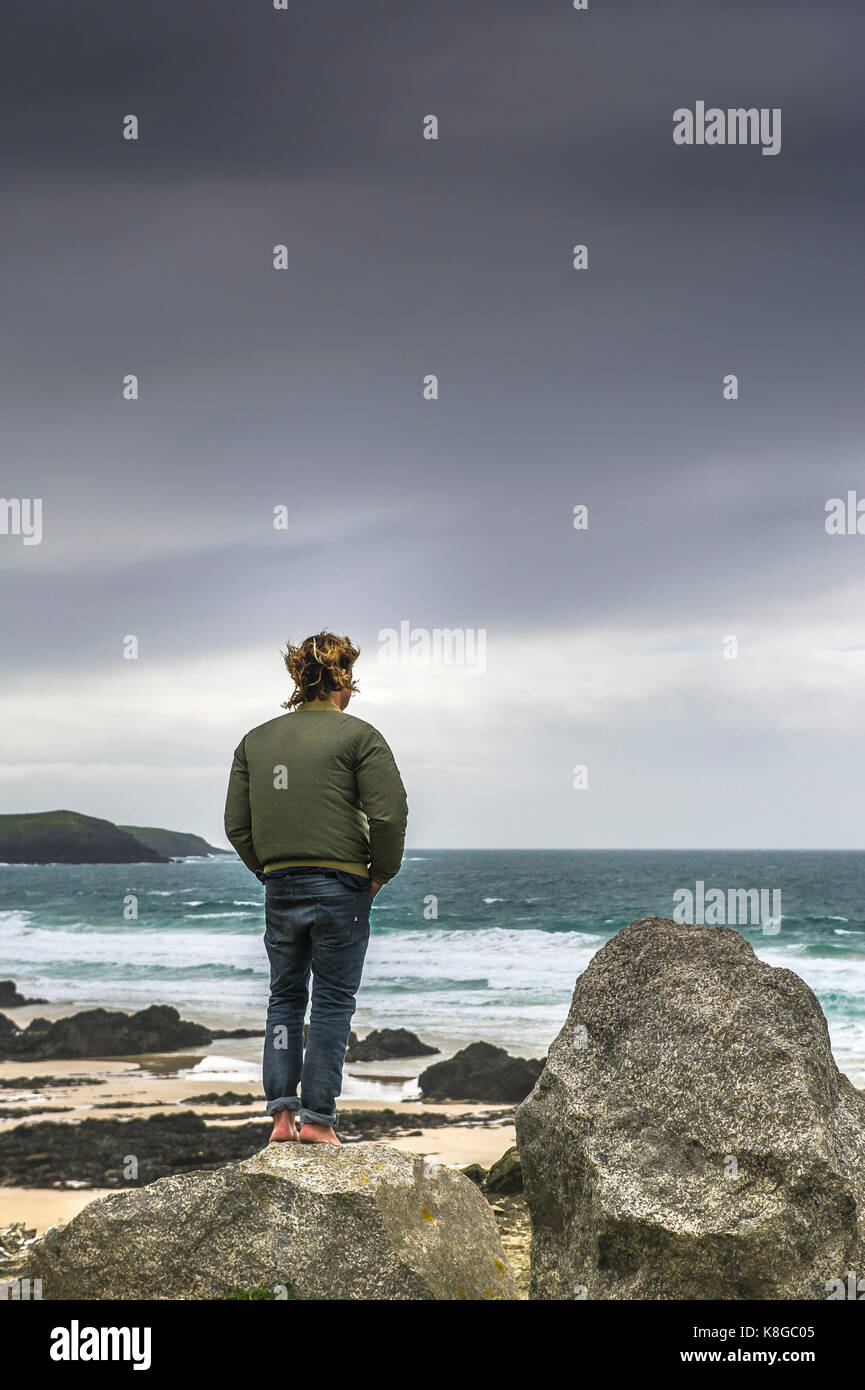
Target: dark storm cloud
{"x":235,"y":87}
{"x":409,"y":257}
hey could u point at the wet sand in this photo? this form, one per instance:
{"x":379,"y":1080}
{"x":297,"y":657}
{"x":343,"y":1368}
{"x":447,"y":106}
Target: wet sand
{"x":41,"y":1207}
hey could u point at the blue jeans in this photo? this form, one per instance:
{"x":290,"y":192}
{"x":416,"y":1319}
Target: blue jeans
{"x":314,"y":921}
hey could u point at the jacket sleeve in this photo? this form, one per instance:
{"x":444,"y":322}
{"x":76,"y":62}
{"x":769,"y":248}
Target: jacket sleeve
{"x":238,"y":815}
{"x":382,"y":796}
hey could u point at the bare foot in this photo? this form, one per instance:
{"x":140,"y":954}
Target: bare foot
{"x":284,"y":1128}
{"x":317,"y":1134}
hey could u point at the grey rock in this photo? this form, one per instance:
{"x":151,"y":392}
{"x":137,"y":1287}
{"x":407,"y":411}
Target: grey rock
{"x":480,"y":1072}
{"x":684,"y":1061}
{"x":475,"y":1172}
{"x":92,"y":1152}
{"x":506,"y":1174}
{"x":16,"y":1242}
{"x":363,"y":1221}
{"x":386,"y":1044}
{"x":11,"y":999}
{"x":102,"y":1033}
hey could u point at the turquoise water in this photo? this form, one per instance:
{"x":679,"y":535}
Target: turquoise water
{"x":514,"y":929}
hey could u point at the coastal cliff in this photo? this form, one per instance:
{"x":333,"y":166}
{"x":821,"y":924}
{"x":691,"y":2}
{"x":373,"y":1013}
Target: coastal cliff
{"x":68,"y":837}
{"x":175,"y":844}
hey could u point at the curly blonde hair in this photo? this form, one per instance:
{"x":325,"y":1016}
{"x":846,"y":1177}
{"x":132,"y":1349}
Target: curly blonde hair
{"x":320,"y":667}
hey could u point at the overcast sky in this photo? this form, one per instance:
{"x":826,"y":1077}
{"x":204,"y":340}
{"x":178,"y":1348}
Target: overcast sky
{"x":303,"y":388}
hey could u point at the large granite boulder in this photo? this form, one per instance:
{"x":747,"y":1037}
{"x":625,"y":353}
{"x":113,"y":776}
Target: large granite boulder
{"x":480,"y":1072}
{"x":362,"y":1221}
{"x":691,"y":1136}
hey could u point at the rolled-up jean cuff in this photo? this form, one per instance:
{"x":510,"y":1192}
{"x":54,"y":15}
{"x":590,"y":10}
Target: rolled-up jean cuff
{"x":312,"y":1117}
{"x":284,"y":1103}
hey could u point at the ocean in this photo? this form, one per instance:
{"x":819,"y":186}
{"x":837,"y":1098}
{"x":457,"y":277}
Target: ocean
{"x":465,"y":944}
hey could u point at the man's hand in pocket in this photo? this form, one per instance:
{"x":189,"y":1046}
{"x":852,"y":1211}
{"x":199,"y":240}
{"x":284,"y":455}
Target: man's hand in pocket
{"x":374,"y":886}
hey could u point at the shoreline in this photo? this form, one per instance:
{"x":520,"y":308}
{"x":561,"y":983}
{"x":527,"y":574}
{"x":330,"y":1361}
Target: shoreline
{"x":117,"y":1089}
{"x":149,"y":1083}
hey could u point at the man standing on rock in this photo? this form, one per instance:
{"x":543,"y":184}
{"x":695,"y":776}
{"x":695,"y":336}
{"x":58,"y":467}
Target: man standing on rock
{"x":317,"y":810}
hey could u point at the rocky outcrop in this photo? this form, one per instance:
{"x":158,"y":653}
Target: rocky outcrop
{"x":506,"y":1175}
{"x":361,"y":1222}
{"x":385,"y":1044}
{"x":101,"y":1033}
{"x":45,"y":1082}
{"x":476,"y":1172}
{"x":92,"y":1152}
{"x":225,"y":1098}
{"x":480,"y":1072}
{"x":218,"y":1034}
{"x":11,"y":999}
{"x":691,"y":1136}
